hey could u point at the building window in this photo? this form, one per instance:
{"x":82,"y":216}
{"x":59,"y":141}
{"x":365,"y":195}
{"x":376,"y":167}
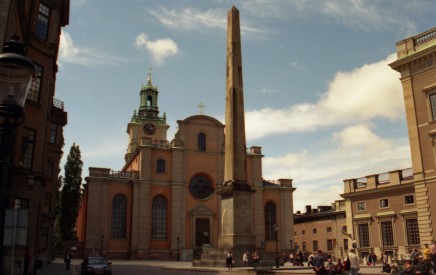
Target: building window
{"x":42,"y":21}
{"x":361,"y":206}
{"x":35,"y":86}
{"x":364,"y":235}
{"x":304,"y":246}
{"x":53,"y":133}
{"x":314,"y":231}
{"x":387,"y":233}
{"x":329,"y":229}
{"x":412,"y":231}
{"x":50,"y":167}
{"x":384,"y":203}
{"x":160,"y":166}
{"x":47,"y":202}
{"x":21,"y":203}
{"x":329,"y":245}
{"x":345,"y":244}
{"x":119,"y":216}
{"x":433,"y":105}
{"x":295,"y":233}
{"x":159,"y":218}
{"x":314,"y":245}
{"x":27,"y":148}
{"x":409,"y":199}
{"x":270,"y":220}
{"x":303,"y":232}
{"x":43,"y":240}
{"x":201,"y":142}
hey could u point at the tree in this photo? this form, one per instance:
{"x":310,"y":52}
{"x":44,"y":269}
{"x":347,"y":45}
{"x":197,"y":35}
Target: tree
{"x":70,"y":194}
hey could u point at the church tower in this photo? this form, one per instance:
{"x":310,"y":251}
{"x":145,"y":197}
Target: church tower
{"x":146,"y":122}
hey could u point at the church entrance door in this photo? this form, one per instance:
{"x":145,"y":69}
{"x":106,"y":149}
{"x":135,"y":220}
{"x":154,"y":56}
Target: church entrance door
{"x":202,"y":231}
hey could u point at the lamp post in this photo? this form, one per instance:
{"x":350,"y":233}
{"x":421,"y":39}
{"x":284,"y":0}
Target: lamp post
{"x":15,"y":77}
{"x":276,"y":229}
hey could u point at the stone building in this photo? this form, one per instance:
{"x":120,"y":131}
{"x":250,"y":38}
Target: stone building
{"x":163,"y":204}
{"x":38,"y":142}
{"x":322,"y":228}
{"x":417,"y":66}
{"x":382,"y":213}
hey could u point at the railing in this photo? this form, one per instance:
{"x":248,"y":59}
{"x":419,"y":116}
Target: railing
{"x":119,"y":174}
{"x":425,"y":37}
{"x":361,"y":182}
{"x":58,"y":103}
{"x":407,"y":174}
{"x":383,"y":178}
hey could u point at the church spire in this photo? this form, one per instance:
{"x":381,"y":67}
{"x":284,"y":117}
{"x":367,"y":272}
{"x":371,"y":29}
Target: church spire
{"x":149,"y":95}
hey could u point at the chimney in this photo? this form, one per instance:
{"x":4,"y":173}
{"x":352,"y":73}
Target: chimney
{"x":308,"y":209}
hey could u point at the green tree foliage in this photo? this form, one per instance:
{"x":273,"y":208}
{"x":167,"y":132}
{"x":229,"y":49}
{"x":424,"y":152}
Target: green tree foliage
{"x":70,"y":194}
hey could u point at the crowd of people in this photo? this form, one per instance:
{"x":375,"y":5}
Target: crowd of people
{"x":416,"y":262}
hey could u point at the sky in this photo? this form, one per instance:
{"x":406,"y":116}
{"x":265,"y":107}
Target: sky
{"x":320,"y":97}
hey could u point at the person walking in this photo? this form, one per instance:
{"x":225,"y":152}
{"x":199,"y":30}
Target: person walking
{"x":354,"y":262}
{"x":27,"y":259}
{"x":245,"y":258}
{"x":67,"y":259}
{"x":229,"y":260}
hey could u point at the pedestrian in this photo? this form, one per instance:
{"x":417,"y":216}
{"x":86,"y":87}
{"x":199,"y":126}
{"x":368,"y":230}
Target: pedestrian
{"x":423,"y":266}
{"x":433,"y":255}
{"x":354,"y":262}
{"x":67,"y":259}
{"x":245,"y":258}
{"x":27,"y":259}
{"x":256,"y":258}
{"x":229,"y":260}
{"x":318,"y":263}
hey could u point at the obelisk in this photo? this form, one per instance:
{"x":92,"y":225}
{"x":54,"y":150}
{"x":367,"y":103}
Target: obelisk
{"x":236,"y":194}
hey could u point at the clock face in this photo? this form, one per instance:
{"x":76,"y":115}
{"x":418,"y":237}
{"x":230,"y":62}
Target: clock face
{"x":200,"y":187}
{"x":149,"y":128}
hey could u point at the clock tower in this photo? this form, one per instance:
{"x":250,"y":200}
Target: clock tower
{"x":146,"y":122}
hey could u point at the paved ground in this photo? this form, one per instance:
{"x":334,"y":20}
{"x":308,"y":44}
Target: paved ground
{"x":58,"y":267}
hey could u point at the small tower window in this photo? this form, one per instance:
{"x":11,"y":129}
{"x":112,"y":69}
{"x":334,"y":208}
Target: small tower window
{"x":201,"y":142}
{"x":160,"y":166}
{"x":149,"y":100}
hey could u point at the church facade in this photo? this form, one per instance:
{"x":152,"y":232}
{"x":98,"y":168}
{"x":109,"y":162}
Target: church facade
{"x":164,"y":203}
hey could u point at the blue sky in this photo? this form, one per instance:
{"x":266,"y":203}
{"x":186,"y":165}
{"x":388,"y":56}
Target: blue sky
{"x":320,"y":98}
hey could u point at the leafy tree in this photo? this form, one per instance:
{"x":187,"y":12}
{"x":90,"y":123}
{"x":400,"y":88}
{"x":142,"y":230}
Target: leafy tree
{"x":70,"y":194}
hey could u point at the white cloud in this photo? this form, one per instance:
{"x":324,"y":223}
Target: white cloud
{"x":352,"y":97}
{"x":353,"y":152}
{"x":354,"y":103}
{"x":365,"y":15}
{"x":71,"y":53}
{"x":159,"y":49}
{"x":188,"y":19}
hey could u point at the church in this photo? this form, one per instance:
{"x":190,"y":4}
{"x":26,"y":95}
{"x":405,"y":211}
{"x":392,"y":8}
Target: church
{"x":179,"y":199}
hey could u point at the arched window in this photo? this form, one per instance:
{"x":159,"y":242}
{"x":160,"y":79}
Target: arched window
{"x":201,"y":142}
{"x":119,"y":211}
{"x":149,"y":101}
{"x":160,"y":166}
{"x":270,"y":220}
{"x":159,"y":218}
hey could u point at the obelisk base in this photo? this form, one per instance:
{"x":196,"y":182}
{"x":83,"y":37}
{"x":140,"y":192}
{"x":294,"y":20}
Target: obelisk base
{"x":236,"y":216}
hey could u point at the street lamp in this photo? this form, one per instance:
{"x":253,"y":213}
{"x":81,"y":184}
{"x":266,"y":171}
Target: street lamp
{"x":276,"y":229}
{"x":15,"y":77}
